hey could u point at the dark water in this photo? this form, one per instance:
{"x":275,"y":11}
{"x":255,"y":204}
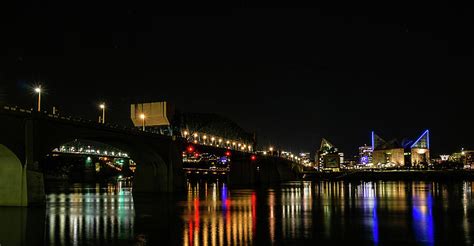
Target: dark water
{"x":323,"y":213}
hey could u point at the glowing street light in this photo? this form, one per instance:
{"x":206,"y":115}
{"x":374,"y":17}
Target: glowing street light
{"x":38,"y":90}
{"x":185,"y":133}
{"x":102,"y":106}
{"x":142,"y":116}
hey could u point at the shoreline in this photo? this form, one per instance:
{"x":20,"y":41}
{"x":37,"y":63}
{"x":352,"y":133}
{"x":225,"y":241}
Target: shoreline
{"x":421,"y":175}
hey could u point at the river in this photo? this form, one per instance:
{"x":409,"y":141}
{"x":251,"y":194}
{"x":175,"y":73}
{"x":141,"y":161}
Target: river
{"x":211,"y":213}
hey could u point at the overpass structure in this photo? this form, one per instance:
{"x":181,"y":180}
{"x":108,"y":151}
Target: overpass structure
{"x":27,"y":136}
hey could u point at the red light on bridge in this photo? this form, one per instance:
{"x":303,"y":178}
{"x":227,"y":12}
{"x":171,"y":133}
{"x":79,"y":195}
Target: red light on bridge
{"x":228,"y":153}
{"x":190,"y":149}
{"x":196,"y":154}
{"x":253,"y":157}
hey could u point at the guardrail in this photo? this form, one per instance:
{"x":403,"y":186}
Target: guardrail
{"x":76,"y":119}
{"x":111,"y":126}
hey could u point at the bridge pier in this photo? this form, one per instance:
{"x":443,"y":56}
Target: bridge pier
{"x":242,"y":172}
{"x":27,"y":137}
{"x":266,"y":170}
{"x":18,"y":185}
{"x":158,"y":173}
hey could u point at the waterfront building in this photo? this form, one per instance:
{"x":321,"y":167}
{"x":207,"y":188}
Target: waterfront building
{"x":365,"y":155}
{"x":466,"y":157}
{"x":305,"y":158}
{"x":407,"y":153}
{"x":328,"y":156}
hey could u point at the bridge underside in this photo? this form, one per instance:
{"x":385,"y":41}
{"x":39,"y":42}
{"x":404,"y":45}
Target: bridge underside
{"x":26,"y":139}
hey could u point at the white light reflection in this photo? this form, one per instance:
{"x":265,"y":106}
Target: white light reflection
{"x":78,"y":216}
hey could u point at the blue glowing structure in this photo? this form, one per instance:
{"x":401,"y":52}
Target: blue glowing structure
{"x":373,"y":141}
{"x":377,"y":141}
{"x":423,"y":141}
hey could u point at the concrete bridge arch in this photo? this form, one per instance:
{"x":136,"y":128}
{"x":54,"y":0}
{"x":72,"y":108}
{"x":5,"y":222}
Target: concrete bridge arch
{"x":27,"y":138}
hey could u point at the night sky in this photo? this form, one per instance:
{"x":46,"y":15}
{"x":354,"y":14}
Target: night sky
{"x":290,"y":75}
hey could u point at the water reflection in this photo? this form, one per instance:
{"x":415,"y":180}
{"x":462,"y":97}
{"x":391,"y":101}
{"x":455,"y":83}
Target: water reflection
{"x":368,"y":213}
{"x":90,"y":215}
{"x":215,"y":216}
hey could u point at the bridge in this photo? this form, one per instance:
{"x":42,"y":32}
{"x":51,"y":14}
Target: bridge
{"x":28,"y":136}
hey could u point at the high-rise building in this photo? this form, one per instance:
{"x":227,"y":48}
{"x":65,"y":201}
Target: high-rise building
{"x":365,"y":154}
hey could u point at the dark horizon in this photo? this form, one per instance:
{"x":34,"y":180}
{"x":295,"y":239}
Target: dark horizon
{"x":292,"y":76}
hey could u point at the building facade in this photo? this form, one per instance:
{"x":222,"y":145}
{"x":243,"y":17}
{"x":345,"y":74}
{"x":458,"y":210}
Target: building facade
{"x":393,"y":154}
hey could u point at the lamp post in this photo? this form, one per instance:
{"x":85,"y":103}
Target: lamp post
{"x":142,"y":116}
{"x":38,"y":90}
{"x":102,"y":106}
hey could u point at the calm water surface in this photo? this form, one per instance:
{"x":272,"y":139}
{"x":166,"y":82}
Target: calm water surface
{"x":369,"y":213}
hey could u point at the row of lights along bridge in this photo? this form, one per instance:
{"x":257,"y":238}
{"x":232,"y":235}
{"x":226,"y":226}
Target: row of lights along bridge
{"x":195,"y":137}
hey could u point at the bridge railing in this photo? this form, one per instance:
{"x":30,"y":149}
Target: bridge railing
{"x":75,"y":119}
{"x":201,"y":138}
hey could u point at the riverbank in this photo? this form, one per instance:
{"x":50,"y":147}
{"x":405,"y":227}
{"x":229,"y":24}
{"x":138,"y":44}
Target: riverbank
{"x":430,"y":175}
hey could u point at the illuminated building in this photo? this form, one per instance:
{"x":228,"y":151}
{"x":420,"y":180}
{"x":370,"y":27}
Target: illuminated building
{"x":365,"y":154}
{"x":328,"y":157}
{"x":420,"y":150}
{"x":466,"y":157}
{"x":392,"y":153}
{"x":305,"y":158}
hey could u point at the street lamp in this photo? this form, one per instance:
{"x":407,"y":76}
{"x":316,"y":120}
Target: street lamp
{"x":102,"y":106}
{"x":142,"y":116}
{"x":38,"y":90}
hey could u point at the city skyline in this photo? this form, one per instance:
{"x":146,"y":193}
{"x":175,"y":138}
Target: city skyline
{"x":392,"y":76}
{"x":138,"y":124}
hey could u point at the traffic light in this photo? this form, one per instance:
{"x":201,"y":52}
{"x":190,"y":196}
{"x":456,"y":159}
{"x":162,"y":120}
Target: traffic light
{"x":253,"y":157}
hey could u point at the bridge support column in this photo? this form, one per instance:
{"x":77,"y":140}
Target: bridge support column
{"x":158,"y":173}
{"x":242,"y":172}
{"x":34,"y":178}
{"x":18,"y":186}
{"x":13,"y":185}
{"x":151,"y":177}
{"x":270,"y":171}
